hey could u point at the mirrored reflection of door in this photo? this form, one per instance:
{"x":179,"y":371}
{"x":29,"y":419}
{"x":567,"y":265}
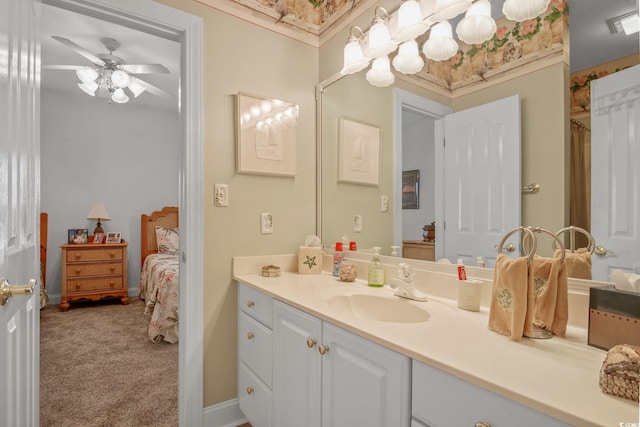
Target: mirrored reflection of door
{"x":615,"y":183}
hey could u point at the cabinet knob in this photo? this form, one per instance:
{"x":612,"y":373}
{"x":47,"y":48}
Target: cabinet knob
{"x":112,"y":268}
{"x":250,"y":303}
{"x":77,"y":271}
{"x":112,"y":283}
{"x":112,"y":254}
{"x":78,"y":256}
{"x":323,"y":349}
{"x":482,"y":424}
{"x":311,"y":342}
{"x":250,"y":335}
{"x":250,"y":391}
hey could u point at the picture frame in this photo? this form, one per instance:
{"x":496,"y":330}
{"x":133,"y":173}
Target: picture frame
{"x":358,"y":152}
{"x":411,"y":189}
{"x":114,"y":237}
{"x":266,"y":135}
{"x":77,"y":236}
{"x":98,"y":238}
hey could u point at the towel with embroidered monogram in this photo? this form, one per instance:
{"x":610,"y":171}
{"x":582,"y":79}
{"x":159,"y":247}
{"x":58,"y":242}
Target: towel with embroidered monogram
{"x":550,"y":289}
{"x":511,"y":309}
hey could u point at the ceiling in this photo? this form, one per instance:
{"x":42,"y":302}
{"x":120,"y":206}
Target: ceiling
{"x":591,"y":42}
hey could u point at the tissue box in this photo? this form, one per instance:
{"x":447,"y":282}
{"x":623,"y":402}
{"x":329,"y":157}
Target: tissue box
{"x":309,"y":260}
{"x":614,"y":317}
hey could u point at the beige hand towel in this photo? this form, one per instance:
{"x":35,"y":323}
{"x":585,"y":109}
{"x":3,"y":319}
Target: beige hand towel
{"x":578,"y":263}
{"x":511,"y":309}
{"x":551,"y":306}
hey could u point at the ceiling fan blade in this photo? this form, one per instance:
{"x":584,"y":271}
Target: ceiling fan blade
{"x":90,"y":56}
{"x":145,"y":68}
{"x":154,"y":90}
{"x":63,"y":67}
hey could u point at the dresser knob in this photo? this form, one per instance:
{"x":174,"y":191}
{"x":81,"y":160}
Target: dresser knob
{"x":249,"y":390}
{"x":112,"y":254}
{"x":250,"y":303}
{"x":250,"y":335}
{"x":78,"y":256}
{"x":77,"y":271}
{"x":112,"y":283}
{"x":112,"y":268}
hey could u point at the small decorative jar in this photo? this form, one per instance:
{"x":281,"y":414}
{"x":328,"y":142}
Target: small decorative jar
{"x":347,"y":272}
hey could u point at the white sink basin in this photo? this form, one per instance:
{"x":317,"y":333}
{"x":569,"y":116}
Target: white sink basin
{"x":381,"y":308}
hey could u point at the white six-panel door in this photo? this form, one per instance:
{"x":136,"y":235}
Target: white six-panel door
{"x":482,"y":187}
{"x":19,"y":205}
{"x":615,"y":172}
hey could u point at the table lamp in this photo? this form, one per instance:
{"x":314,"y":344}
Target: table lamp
{"x":98,"y":213}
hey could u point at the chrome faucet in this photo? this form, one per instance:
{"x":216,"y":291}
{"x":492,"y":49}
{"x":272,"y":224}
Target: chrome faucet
{"x":404,"y":285}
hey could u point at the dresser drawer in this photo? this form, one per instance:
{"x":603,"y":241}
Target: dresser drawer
{"x":95,"y":284}
{"x":254,"y":397}
{"x":256,"y":304}
{"x":83,"y":270}
{"x":101,"y":254}
{"x":255,"y":347}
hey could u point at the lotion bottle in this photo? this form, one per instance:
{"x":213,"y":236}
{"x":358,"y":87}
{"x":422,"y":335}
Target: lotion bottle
{"x":376,"y":270}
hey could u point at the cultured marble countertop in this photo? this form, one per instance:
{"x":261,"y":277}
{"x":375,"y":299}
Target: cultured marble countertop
{"x":557,"y":376}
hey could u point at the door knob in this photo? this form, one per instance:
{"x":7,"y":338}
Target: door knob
{"x":601,"y":251}
{"x":7,"y":291}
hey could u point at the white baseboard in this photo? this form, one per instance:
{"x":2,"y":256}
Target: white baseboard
{"x":225,"y":414}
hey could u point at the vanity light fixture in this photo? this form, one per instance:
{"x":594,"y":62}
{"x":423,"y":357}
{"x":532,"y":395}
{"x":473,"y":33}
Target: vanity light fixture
{"x":412,"y":20}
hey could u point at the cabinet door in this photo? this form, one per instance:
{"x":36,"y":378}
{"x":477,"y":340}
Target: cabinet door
{"x":363,"y":383}
{"x":296,"y":369}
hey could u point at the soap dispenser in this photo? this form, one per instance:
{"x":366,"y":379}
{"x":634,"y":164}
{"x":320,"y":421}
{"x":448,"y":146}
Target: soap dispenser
{"x":376,"y":270}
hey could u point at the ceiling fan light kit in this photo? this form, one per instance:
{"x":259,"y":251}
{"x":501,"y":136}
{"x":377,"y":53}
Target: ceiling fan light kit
{"x":110,"y":74}
{"x":412,"y":19}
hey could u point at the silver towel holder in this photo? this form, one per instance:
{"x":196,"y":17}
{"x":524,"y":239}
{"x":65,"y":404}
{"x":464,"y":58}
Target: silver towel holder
{"x":557,"y":240}
{"x":528,"y":233}
{"x":591,"y":247}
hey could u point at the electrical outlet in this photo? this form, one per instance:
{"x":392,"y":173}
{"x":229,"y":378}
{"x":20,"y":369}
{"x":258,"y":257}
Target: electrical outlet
{"x":220,"y":195}
{"x":357,"y":223}
{"x":384,"y":203}
{"x":266,"y":223}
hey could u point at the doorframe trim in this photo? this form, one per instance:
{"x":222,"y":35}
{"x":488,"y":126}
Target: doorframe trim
{"x":154,"y":18}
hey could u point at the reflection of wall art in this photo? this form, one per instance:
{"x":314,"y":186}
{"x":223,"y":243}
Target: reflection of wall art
{"x":411,"y":189}
{"x":359,"y":152}
{"x":266,"y":136}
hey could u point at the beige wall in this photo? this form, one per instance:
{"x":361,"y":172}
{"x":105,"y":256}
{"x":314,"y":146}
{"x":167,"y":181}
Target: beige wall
{"x":239,"y":56}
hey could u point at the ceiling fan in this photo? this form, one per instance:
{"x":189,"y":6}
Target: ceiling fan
{"x":110,"y":75}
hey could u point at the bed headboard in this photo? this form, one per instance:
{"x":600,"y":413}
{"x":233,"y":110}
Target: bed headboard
{"x":167,"y":217}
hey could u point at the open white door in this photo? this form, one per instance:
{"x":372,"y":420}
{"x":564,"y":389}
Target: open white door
{"x":615,"y":166}
{"x":19,"y":205}
{"x":481,"y":180}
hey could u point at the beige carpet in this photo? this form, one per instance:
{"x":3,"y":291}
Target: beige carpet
{"x":99,"y":368}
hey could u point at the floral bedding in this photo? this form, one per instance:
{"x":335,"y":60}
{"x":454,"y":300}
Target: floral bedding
{"x":159,"y":286}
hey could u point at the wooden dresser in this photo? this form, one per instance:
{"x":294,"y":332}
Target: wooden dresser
{"x":418,"y":249}
{"x":93,"y":272}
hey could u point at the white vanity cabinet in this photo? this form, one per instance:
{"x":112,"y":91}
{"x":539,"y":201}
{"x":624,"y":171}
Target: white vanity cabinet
{"x":440,"y":399}
{"x":255,"y":355}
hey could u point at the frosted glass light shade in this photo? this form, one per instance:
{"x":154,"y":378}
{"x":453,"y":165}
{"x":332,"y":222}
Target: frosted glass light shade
{"x":521,"y":10}
{"x":440,"y":46}
{"x":120,"y":78}
{"x":408,"y":60}
{"x":410,"y":21}
{"x":89,"y":87}
{"x":380,"y":74}
{"x":354,"y":59}
{"x":119,"y":96}
{"x":477,"y":26}
{"x":380,"y":43}
{"x":136,"y":88}
{"x":447,"y":9}
{"x":87,"y":74}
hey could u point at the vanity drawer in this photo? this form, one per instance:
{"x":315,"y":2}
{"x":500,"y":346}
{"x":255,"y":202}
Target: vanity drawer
{"x":255,"y":347}
{"x":256,"y":304}
{"x":254,"y":397}
{"x":440,"y":399}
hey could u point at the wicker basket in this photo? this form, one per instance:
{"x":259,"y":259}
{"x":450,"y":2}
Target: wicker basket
{"x":620,"y":372}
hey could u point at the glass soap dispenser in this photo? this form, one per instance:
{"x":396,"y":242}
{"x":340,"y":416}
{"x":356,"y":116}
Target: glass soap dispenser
{"x":376,"y":270}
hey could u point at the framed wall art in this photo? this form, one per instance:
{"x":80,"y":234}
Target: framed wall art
{"x":411,"y":189}
{"x":266,"y":136}
{"x":358,"y":152}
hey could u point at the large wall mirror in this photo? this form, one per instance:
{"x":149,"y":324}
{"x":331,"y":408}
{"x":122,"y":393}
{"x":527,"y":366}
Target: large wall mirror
{"x":545,"y":117}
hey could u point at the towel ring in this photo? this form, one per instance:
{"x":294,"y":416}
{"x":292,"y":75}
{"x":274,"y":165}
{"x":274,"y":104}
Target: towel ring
{"x":591,"y":247}
{"x":556,"y":239}
{"x":528,"y":233}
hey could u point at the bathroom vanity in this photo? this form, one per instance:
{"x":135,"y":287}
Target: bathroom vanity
{"x":316,"y":351}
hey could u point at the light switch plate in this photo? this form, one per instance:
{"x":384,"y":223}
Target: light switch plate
{"x":220,"y":195}
{"x":384,"y":203}
{"x":357,"y":223}
{"x":266,"y":223}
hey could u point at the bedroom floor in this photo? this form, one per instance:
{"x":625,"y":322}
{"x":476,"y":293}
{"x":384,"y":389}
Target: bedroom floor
{"x":98,"y":367}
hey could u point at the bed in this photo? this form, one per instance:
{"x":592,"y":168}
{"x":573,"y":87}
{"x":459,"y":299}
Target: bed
{"x":159,"y":276}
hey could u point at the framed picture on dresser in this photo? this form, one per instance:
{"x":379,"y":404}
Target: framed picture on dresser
{"x":98,"y":238}
{"x":114,"y":237}
{"x":78,"y":236}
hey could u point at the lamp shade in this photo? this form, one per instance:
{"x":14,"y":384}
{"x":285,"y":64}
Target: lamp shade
{"x":354,"y":59}
{"x":380,"y":74}
{"x":410,"y":21}
{"x":380,"y":43}
{"x":477,"y":26}
{"x":120,"y":78}
{"x":98,"y":212}
{"x":408,"y":60}
{"x":447,"y":9}
{"x":119,"y":96}
{"x":440,"y":46}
